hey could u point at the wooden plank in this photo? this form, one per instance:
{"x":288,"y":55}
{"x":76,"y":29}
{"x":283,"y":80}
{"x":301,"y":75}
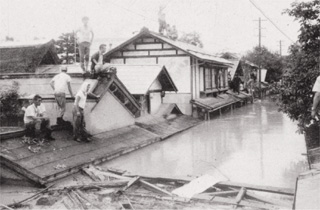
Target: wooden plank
{"x":130,"y":183}
{"x":230,"y":201}
{"x":154,"y":188}
{"x":223,"y":193}
{"x":241,"y":194}
{"x":278,"y":190}
{"x":273,"y":201}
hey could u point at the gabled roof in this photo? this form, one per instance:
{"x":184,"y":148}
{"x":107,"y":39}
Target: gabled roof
{"x":114,"y":86}
{"x":189,"y":49}
{"x":139,"y":78}
{"x":250,"y":64}
{"x":25,"y":58}
{"x":234,"y":68}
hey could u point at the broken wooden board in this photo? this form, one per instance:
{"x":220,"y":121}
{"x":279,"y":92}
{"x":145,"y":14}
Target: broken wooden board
{"x":197,"y":186}
{"x":241,"y":194}
{"x":308,"y":191}
{"x":230,"y":201}
{"x":278,"y":190}
{"x":277,"y":202}
{"x":154,"y":188}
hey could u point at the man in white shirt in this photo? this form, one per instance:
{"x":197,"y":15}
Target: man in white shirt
{"x":84,"y":37}
{"x":78,"y":113}
{"x":35,"y":121}
{"x":60,"y":83}
{"x":316,"y":98}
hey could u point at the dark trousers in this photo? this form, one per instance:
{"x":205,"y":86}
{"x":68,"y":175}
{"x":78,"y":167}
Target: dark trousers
{"x":39,"y":129}
{"x":78,"y":124}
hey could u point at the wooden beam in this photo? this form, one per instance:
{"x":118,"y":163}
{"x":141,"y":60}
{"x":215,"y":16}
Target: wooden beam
{"x":223,"y":193}
{"x":146,"y":56}
{"x":278,"y":190}
{"x":273,"y":201}
{"x":241,"y":194}
{"x":230,"y":201}
{"x":154,"y":188}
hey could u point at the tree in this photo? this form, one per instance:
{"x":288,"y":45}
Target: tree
{"x":66,"y":47}
{"x":192,"y":38}
{"x":303,"y":64}
{"x":271,"y":61}
{"x":9,"y":104}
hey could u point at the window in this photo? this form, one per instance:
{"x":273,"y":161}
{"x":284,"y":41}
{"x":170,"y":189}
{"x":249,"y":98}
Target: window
{"x":208,"y":79}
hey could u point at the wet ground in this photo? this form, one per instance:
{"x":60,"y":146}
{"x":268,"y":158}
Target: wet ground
{"x":254,"y":144}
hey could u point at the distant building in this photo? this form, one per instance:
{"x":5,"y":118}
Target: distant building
{"x":196,"y":73}
{"x":26,"y":58}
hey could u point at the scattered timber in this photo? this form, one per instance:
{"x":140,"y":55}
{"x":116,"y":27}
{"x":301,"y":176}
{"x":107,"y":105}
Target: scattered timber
{"x":278,"y":190}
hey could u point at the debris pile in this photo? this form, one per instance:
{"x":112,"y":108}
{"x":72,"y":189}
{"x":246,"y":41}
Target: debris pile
{"x":115,"y":189}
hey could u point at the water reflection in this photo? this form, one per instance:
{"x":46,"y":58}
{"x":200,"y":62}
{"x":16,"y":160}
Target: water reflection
{"x":254,"y":144}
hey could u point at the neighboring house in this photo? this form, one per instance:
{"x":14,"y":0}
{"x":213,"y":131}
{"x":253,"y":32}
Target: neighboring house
{"x":196,"y":73}
{"x":116,"y":108}
{"x":147,"y":83}
{"x":26,"y":58}
{"x":236,"y":69}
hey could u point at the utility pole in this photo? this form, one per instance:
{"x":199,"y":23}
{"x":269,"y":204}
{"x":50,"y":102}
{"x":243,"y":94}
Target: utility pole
{"x":280,"y":45}
{"x":260,"y":92}
{"x":260,"y":53}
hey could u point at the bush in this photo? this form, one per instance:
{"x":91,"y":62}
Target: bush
{"x":9,"y":104}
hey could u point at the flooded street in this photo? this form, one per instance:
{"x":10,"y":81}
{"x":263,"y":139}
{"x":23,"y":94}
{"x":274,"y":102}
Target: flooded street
{"x":254,"y":144}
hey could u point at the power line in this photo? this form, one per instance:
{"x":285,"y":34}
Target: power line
{"x":271,"y":21}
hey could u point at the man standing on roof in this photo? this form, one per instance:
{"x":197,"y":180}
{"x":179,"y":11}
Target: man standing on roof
{"x":59,"y":84}
{"x":316,"y":99}
{"x":97,"y":59}
{"x":84,"y":38}
{"x":162,"y":20}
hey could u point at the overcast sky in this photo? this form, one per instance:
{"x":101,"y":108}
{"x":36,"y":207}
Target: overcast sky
{"x":224,"y":25}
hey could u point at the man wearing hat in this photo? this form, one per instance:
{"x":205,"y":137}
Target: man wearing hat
{"x":60,"y":83}
{"x":84,"y":37}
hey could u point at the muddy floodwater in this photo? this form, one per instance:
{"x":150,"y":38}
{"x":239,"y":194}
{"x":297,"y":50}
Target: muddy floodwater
{"x":254,"y":144}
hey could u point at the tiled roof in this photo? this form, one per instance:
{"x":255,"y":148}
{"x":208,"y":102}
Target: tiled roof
{"x":26,"y":58}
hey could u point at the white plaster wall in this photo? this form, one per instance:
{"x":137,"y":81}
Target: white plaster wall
{"x":163,"y":52}
{"x":109,"y":114}
{"x":156,"y":85}
{"x":117,"y":61}
{"x":179,"y":69}
{"x":40,"y":86}
{"x":52,"y":110}
{"x":148,"y":46}
{"x":181,"y":99}
{"x":140,"y":61}
{"x":135,"y":53}
{"x":155,"y":102}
